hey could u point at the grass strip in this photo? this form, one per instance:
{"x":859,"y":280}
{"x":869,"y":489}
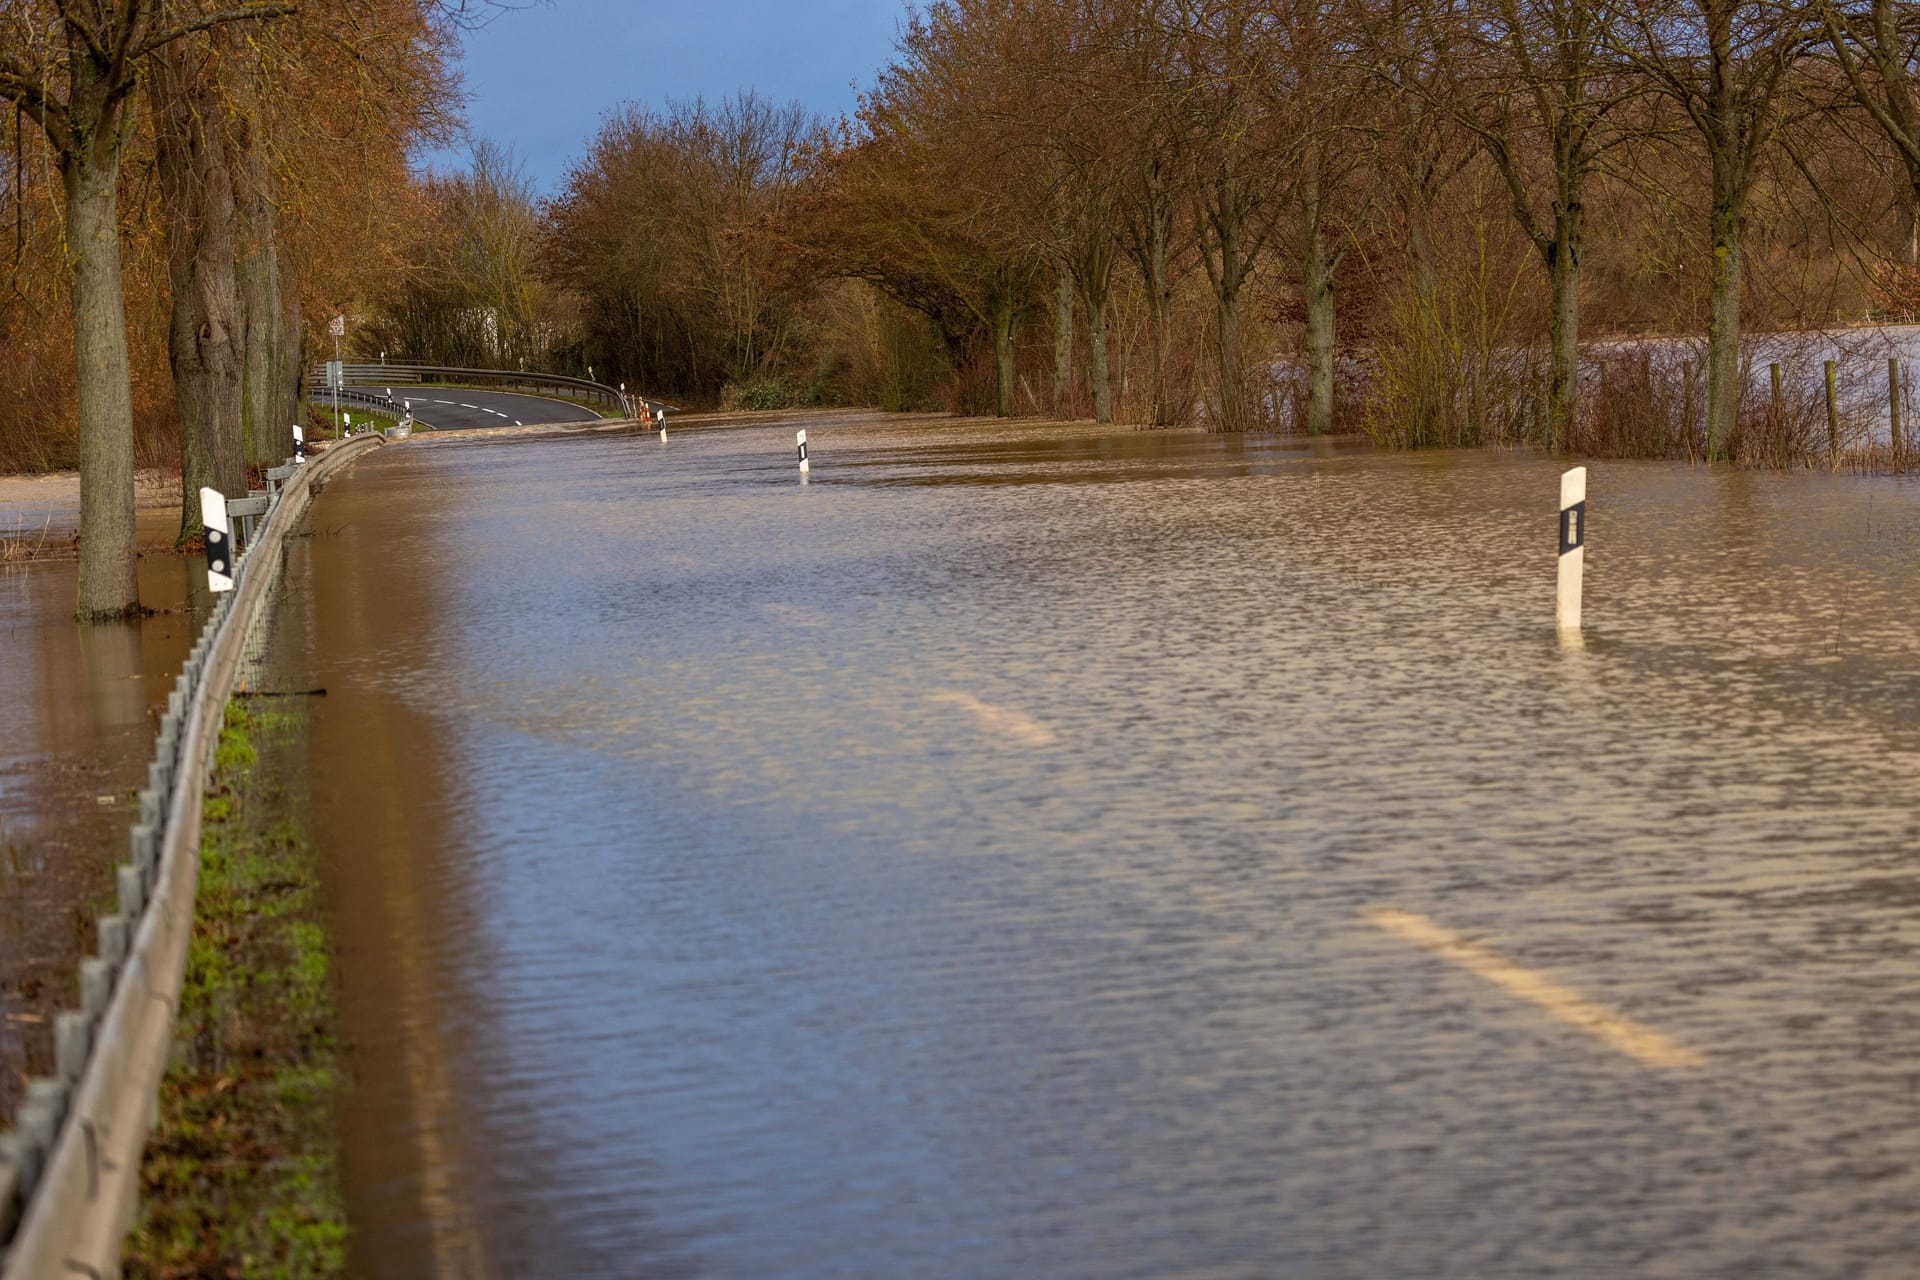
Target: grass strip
{"x":241,"y":1177}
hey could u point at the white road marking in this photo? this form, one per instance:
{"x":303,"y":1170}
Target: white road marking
{"x":1011,"y":723}
{"x":469,"y":406}
{"x":1618,"y":1030}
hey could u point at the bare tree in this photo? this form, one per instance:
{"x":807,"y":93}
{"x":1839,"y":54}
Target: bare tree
{"x":1727,"y":64}
{"x":1874,"y":41}
{"x":205,"y":339}
{"x":1237,"y":155}
{"x":1536,"y":82}
{"x":1145,"y":106}
{"x":73,"y":67}
{"x":1319,"y":99}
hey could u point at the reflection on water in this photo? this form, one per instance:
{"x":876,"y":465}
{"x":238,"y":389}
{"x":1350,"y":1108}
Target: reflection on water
{"x":78,"y":710}
{"x":966,"y":864}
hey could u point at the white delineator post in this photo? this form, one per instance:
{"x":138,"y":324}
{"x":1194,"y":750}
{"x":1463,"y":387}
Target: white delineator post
{"x":1573,"y":547}
{"x":299,"y":445}
{"x":213,"y":518}
{"x":800,"y":440}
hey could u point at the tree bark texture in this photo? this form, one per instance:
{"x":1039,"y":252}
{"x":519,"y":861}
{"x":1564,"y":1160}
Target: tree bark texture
{"x":1723,"y":330}
{"x":203,"y":346}
{"x":90,"y":174}
{"x":1063,"y":304}
{"x":265,"y":424}
{"x":1096,"y":286}
{"x":1228,"y":266}
{"x":1563,"y":326}
{"x":1003,"y":355}
{"x":1321,"y":333}
{"x":1097,"y":360}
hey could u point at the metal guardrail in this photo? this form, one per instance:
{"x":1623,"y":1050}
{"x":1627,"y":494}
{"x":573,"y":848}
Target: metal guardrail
{"x":409,"y":374}
{"x":70,"y":1167}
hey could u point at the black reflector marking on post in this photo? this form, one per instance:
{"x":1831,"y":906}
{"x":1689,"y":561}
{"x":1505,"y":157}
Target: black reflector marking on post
{"x":1573,"y":527}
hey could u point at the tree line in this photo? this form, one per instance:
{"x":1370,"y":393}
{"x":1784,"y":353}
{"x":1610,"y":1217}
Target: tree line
{"x":1397,"y":215}
{"x":187,"y":183}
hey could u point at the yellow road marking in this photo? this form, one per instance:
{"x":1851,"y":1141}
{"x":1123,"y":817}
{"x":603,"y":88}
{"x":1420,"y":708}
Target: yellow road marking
{"x":1618,"y":1030}
{"x":1011,"y":723}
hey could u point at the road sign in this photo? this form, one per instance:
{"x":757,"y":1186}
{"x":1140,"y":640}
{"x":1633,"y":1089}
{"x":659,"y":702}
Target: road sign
{"x":336,"y":374}
{"x":337,"y":326}
{"x":213,"y":518}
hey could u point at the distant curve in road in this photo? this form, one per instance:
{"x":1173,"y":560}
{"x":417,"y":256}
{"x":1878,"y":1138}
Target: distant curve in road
{"x":456,"y":408}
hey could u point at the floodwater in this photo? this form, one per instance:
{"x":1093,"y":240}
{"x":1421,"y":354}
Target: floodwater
{"x":1034,"y":851}
{"x":79,"y":707}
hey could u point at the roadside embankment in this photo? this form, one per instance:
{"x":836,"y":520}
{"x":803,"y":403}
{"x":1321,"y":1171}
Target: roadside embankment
{"x":70,"y":1167}
{"x":40,"y":514}
{"x":241,"y":1176}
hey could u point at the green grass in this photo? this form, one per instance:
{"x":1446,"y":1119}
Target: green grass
{"x":364,"y":418}
{"x":241,"y":1177}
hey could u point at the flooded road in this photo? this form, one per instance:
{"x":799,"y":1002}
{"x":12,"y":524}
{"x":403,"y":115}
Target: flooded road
{"x":1031,"y":851}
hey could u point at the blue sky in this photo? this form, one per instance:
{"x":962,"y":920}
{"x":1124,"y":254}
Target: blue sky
{"x":540,"y":78}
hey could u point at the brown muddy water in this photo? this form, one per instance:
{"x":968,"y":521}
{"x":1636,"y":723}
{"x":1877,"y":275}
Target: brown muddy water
{"x":1036,"y":851}
{"x":79,"y":707}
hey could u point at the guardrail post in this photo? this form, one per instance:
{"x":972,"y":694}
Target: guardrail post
{"x":72,"y":1037}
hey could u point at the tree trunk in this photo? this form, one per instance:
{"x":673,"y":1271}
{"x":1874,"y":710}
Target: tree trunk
{"x":1062,"y":342}
{"x":1320,"y":329}
{"x":263,"y":425}
{"x":1003,"y":355}
{"x":1158,"y":297}
{"x":1227,"y":273}
{"x":197,"y":190}
{"x":289,"y":375}
{"x":109,"y":587}
{"x":1097,"y":358}
{"x":1723,"y":328}
{"x":1912,"y":218}
{"x":1233,"y":409}
{"x":1563,"y":327}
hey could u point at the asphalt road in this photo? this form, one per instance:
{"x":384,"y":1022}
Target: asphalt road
{"x":1045,"y":850}
{"x":456,"y":408}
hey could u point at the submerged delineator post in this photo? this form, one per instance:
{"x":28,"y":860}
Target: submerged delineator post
{"x":800,"y":441}
{"x":219,"y":533}
{"x":1573,"y":553}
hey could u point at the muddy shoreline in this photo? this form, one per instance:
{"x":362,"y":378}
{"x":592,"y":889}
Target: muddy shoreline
{"x":40,"y":514}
